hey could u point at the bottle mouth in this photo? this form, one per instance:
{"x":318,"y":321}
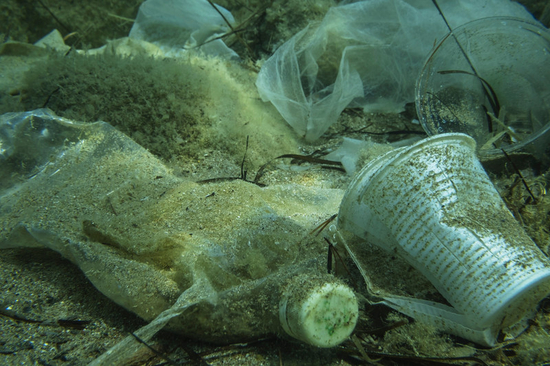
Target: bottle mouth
{"x":320,"y":315}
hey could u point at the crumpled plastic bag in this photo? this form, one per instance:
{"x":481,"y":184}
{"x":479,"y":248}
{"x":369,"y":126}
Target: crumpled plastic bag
{"x":175,"y":25}
{"x":157,"y":244}
{"x":366,"y":54}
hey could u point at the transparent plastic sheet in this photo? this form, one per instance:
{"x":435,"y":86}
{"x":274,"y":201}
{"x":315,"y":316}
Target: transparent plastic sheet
{"x":367,"y":54}
{"x":45,"y":154}
{"x":123,"y":350}
{"x":161,"y":246}
{"x":175,"y":25}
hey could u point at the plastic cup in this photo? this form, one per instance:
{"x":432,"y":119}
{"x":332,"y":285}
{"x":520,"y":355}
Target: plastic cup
{"x":433,"y":205}
{"x":499,"y":65}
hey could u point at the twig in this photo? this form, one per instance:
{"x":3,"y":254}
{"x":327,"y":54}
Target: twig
{"x":53,"y":16}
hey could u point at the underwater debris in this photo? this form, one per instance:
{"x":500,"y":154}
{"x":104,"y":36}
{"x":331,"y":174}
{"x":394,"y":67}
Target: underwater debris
{"x":433,"y":204}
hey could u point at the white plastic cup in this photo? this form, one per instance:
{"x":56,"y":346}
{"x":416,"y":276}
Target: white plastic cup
{"x":433,"y":204}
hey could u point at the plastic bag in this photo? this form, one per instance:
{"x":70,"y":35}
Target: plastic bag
{"x":366,"y":54}
{"x":237,"y":255}
{"x":175,"y":25}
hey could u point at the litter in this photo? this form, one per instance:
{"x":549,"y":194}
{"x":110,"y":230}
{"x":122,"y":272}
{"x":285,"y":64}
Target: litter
{"x":365,"y":54}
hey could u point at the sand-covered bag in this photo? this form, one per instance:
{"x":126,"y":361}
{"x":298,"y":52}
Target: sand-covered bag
{"x":223,"y":261}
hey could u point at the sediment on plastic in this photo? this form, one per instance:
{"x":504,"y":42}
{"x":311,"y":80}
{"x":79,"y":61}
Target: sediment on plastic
{"x":433,"y":204}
